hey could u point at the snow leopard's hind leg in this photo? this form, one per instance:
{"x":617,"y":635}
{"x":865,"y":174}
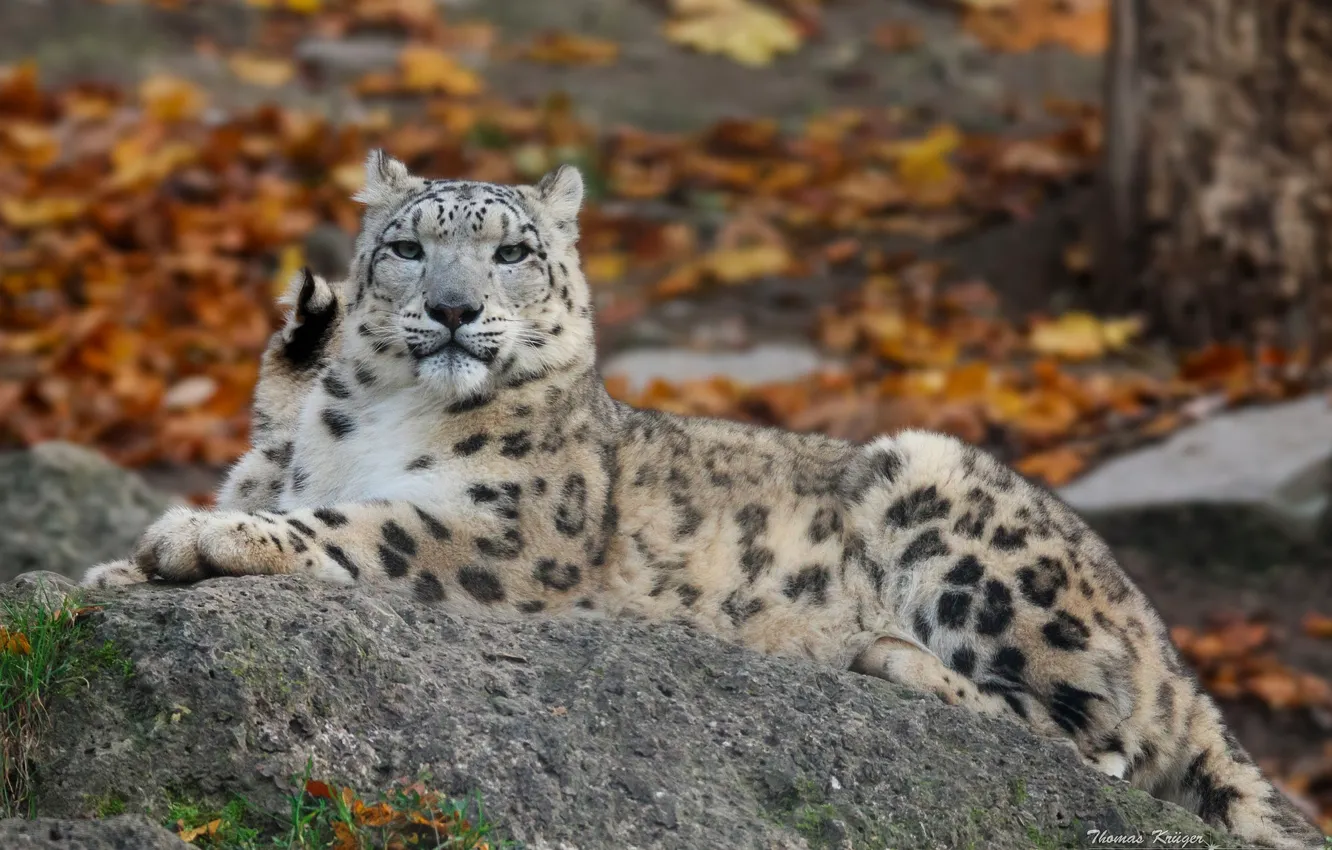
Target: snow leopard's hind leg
{"x":1004,"y":585}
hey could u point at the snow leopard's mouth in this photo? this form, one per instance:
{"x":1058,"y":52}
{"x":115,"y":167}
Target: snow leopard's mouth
{"x":450,"y":348}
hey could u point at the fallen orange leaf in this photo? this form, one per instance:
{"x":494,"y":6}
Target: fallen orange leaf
{"x":1279,"y":689}
{"x":897,"y":35}
{"x":1024,"y":25}
{"x":744,"y":264}
{"x":1082,"y":336}
{"x":25,"y":214}
{"x":266,"y":71}
{"x":17,"y":643}
{"x":1318,"y":626}
{"x":738,"y":29}
{"x":1055,"y":467}
{"x":427,"y":69}
{"x":318,"y":789}
{"x":606,"y":267}
{"x":188,"y":835}
{"x":564,"y":48}
{"x":170,"y":98}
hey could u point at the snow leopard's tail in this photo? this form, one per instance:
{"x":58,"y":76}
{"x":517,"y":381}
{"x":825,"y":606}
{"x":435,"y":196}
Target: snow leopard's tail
{"x":1202,"y":767}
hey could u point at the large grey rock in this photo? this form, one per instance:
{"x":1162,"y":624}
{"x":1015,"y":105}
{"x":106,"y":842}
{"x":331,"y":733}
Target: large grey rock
{"x":579,"y":733}
{"x":64,"y":508}
{"x":1250,"y":487}
{"x":125,"y":832}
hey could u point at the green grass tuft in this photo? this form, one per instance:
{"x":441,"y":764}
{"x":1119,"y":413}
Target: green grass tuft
{"x":227,"y":827}
{"x":1041,"y":841}
{"x":107,"y":658}
{"x":816,"y":824}
{"x":37,"y":658}
{"x":108,"y":806}
{"x":1018,"y":789}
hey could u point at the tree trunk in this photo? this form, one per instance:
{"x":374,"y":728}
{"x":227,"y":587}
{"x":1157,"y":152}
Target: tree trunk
{"x":1217,"y":180}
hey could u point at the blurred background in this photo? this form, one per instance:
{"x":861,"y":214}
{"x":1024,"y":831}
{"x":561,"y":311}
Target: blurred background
{"x":847,"y":216}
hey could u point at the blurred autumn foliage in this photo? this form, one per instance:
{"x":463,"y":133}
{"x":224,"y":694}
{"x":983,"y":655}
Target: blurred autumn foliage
{"x":144,"y":237}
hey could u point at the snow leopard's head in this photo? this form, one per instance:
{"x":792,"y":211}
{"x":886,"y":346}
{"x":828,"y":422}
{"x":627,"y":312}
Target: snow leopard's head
{"x":472,"y":286}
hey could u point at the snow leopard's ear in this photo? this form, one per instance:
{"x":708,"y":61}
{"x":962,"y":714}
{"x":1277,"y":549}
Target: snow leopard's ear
{"x":385,"y":179}
{"x":561,"y":191}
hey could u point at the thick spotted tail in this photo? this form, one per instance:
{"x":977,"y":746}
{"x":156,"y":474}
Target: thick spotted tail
{"x":1199,"y":765}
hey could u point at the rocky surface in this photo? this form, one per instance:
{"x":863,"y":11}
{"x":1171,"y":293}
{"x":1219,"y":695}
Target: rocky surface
{"x":64,"y":508}
{"x":1251,"y":488}
{"x":579,"y":733}
{"x":125,"y":832}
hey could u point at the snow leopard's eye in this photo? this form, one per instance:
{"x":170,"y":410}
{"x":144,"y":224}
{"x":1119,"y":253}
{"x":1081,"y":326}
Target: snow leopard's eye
{"x":406,"y":249}
{"x":510,"y":254}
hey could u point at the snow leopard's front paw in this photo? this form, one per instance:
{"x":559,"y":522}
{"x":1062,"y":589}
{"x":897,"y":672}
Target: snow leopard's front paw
{"x":169,"y":549}
{"x":190,"y":545}
{"x":113,"y":574}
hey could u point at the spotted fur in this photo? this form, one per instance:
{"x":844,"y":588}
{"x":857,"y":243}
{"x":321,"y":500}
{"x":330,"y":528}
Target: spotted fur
{"x":455,"y":438}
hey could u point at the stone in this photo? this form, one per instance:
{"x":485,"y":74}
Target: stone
{"x":123,"y":832}
{"x":762,"y":363}
{"x":64,"y":508}
{"x":1252,"y":486}
{"x":356,"y":55}
{"x":577,"y":732}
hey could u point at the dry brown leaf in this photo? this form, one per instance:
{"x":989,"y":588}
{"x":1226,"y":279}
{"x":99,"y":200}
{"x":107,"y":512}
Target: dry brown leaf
{"x":1317,"y":625}
{"x":188,"y":835}
{"x":605,"y":267}
{"x":16,"y":643}
{"x":266,"y":71}
{"x":169,"y":98}
{"x":426,"y":69}
{"x":1056,"y":467}
{"x":1082,"y":336}
{"x":924,"y":169}
{"x":565,"y":48}
{"x":897,"y":36}
{"x":320,"y":790}
{"x":25,"y":213}
{"x":1024,"y":25}
{"x":304,"y":7}
{"x":34,"y":143}
{"x":733,"y":266}
{"x":738,"y":29}
{"x":925,"y":160}
{"x":1278,"y":688}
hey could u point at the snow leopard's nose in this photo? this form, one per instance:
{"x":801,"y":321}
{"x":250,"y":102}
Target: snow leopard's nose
{"x":453,"y":316}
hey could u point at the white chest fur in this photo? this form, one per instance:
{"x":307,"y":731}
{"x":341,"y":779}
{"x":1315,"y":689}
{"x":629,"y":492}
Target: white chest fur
{"x":392,"y":451}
